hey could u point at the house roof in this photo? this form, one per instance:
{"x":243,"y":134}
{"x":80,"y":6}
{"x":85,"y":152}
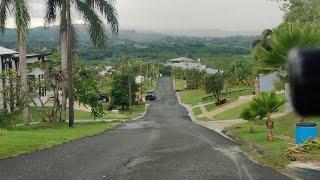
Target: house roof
{"x":4,"y":51}
{"x":181,"y":59}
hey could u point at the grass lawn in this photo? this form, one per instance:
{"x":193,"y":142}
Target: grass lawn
{"x":271,"y":153}
{"x":179,"y":84}
{"x":25,"y":139}
{"x":197,"y":111}
{"x":36,"y":117}
{"x":210,"y":107}
{"x":233,"y":113}
{"x":192,"y":97}
{"x":137,"y":110}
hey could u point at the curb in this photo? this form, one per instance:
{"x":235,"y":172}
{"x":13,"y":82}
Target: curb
{"x":193,"y":118}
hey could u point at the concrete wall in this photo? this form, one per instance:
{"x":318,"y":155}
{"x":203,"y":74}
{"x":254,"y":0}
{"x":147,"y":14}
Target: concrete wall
{"x":267,"y":82}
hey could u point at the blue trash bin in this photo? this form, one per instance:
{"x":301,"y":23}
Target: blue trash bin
{"x":305,"y":132}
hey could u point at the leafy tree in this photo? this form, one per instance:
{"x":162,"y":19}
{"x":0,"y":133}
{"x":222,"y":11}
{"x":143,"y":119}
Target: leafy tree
{"x":262,"y":106}
{"x":301,"y":11}
{"x":214,"y":84}
{"x":240,"y":72}
{"x":51,"y":81}
{"x":119,"y":94}
{"x":19,"y":9}
{"x":194,"y":78}
{"x":13,"y":98}
{"x":86,"y":90}
{"x":165,"y":70}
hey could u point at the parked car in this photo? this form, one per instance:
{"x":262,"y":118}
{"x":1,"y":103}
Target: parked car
{"x":150,"y":96}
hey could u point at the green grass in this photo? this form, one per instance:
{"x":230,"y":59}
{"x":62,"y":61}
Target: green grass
{"x":36,"y":117}
{"x":179,"y":84}
{"x":137,"y":110}
{"x":25,"y":139}
{"x":233,"y":113}
{"x":271,"y":153}
{"x":210,"y":107}
{"x":197,"y":111}
{"x":192,"y":97}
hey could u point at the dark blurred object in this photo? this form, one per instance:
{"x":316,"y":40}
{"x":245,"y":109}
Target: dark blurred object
{"x":304,"y":74}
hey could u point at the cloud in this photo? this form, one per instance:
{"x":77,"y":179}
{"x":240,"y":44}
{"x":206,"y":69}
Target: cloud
{"x":161,"y":15}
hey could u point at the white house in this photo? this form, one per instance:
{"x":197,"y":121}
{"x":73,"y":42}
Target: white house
{"x":186,"y":63}
{"x":10,"y":59}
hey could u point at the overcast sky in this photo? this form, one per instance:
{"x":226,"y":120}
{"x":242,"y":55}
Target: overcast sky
{"x":162,"y":15}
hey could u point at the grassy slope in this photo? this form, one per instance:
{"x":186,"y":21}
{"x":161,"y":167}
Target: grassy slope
{"x":233,"y":113}
{"x":271,"y":153}
{"x":196,"y":111}
{"x":179,"y":85}
{"x":83,"y":115}
{"x":25,"y":139}
{"x":192,"y":97}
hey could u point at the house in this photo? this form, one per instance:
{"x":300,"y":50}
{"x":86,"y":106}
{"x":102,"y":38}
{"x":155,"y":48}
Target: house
{"x":10,"y":59}
{"x":186,"y":63}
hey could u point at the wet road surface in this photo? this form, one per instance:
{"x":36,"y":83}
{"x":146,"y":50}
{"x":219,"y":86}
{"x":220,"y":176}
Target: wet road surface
{"x":163,"y":145}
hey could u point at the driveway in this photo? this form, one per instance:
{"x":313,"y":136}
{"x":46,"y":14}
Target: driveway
{"x":165,"y":144}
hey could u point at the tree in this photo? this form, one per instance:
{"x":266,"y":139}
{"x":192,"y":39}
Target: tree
{"x":119,"y":93}
{"x":213,"y":84}
{"x":248,"y":114}
{"x":300,"y":11}
{"x":86,"y":90}
{"x":262,"y":106}
{"x":91,"y":11}
{"x":283,"y":40}
{"x":19,"y":9}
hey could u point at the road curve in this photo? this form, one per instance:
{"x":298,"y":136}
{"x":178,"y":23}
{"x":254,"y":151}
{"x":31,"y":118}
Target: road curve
{"x":163,"y":145}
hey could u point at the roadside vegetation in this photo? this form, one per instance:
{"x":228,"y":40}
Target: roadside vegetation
{"x":24,"y":139}
{"x":272,"y":153}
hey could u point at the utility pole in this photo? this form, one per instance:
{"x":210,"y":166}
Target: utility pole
{"x":129,"y":75}
{"x":70,"y":66}
{"x":140,"y":83}
{"x":147,"y":76}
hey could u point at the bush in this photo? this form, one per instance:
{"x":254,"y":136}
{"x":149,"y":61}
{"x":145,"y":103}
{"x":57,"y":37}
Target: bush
{"x":5,"y":120}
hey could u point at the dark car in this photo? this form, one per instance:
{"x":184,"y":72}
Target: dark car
{"x":150,"y":96}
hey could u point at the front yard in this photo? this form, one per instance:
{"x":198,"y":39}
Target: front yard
{"x":24,"y":139}
{"x":271,"y":153}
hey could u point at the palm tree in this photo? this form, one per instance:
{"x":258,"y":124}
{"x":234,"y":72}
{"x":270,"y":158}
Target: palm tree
{"x":20,"y":10}
{"x":285,"y":38}
{"x":262,"y":106}
{"x":249,"y":115}
{"x":91,"y":11}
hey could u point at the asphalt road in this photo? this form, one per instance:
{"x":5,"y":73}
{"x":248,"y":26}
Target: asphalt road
{"x":163,"y":145}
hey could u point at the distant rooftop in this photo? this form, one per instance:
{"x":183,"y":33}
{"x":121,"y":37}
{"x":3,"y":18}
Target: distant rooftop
{"x":181,"y":59}
{"x":4,"y":51}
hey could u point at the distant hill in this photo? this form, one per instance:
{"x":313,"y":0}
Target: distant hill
{"x":51,"y":34}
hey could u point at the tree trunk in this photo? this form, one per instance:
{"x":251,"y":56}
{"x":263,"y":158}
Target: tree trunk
{"x":70,"y":66}
{"x":23,"y":79}
{"x":270,"y":125}
{"x":64,"y":68}
{"x":251,"y":127}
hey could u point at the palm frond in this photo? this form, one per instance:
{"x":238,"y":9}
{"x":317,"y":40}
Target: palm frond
{"x":22,"y":17}
{"x":4,"y":11}
{"x":51,"y":8}
{"x":106,"y":8}
{"x":96,"y":28}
